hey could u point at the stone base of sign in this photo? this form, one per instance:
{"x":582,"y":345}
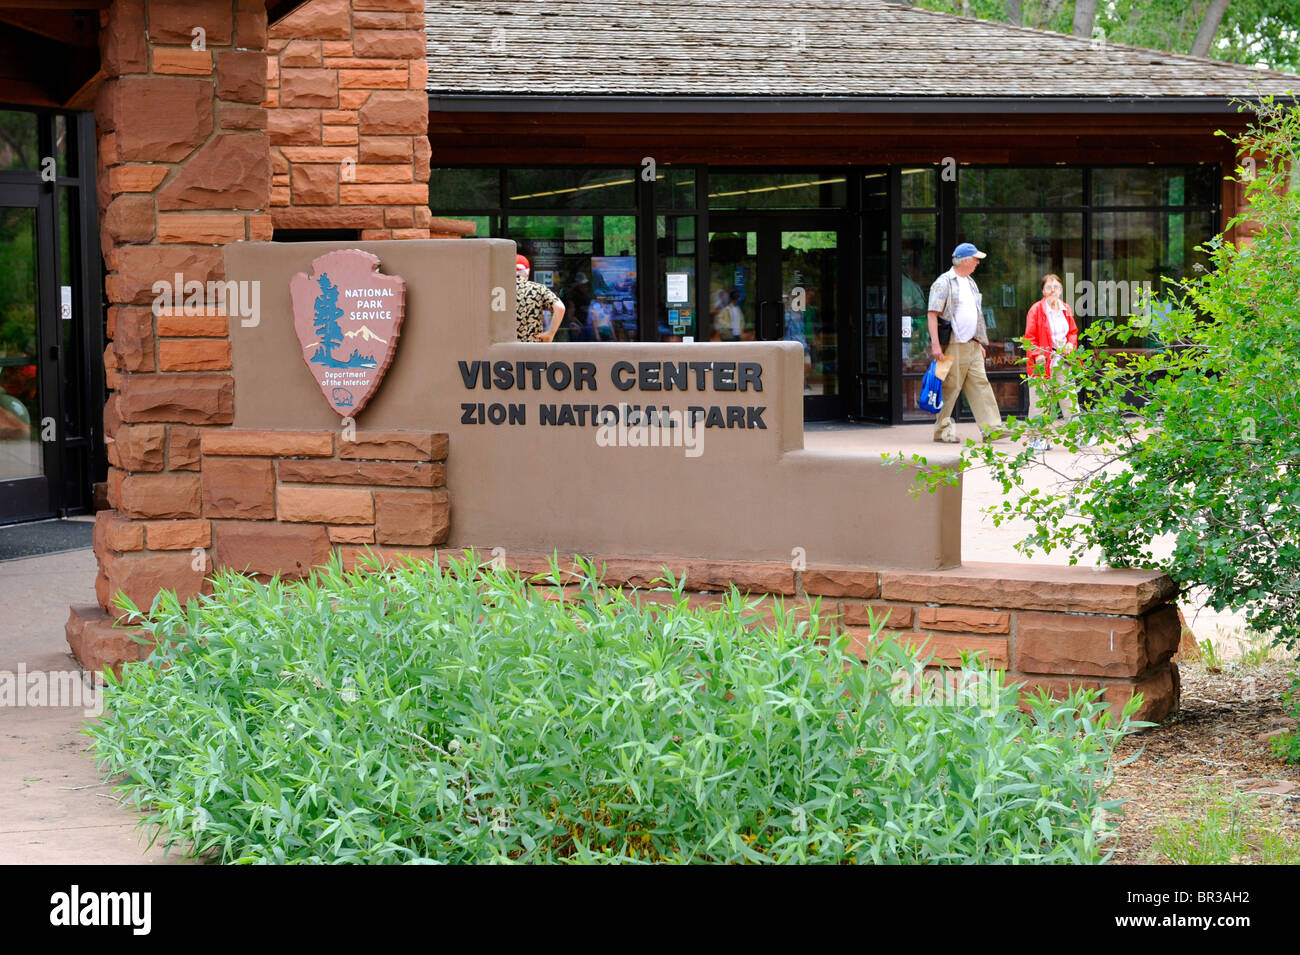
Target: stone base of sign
{"x":1049,"y":627}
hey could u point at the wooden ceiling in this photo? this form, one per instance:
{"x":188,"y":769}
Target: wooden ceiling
{"x":49,"y":50}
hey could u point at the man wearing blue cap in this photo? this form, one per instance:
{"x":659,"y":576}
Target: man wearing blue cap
{"x":957,"y":330}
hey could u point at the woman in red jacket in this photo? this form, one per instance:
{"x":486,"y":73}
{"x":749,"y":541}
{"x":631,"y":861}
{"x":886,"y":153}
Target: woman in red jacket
{"x":1050,"y":328}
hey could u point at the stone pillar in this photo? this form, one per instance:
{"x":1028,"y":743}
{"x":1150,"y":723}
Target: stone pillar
{"x":184,"y":167}
{"x":348,"y":118}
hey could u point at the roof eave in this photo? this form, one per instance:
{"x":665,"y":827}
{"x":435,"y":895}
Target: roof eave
{"x":504,"y":102}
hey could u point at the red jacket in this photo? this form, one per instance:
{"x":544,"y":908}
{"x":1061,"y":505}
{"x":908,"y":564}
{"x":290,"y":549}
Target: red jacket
{"x":1038,"y":329}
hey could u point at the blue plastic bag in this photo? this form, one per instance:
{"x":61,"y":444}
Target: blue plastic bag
{"x":930,"y":398}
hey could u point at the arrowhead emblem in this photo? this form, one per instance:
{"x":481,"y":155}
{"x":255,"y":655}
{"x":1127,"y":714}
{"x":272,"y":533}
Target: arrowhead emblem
{"x":348,"y":316}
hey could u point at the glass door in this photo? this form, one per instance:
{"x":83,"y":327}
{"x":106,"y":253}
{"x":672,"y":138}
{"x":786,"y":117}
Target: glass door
{"x":780,"y":278}
{"x":25,"y":464}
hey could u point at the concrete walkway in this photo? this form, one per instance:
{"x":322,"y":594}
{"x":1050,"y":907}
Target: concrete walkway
{"x":54,"y":808}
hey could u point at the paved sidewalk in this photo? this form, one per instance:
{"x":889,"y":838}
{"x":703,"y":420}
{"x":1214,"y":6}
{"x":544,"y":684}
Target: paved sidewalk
{"x":54,"y":807}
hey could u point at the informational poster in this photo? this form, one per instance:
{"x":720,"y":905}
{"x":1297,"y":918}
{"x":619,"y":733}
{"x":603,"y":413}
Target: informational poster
{"x":544,"y":277}
{"x":613,"y":280}
{"x":65,"y":302}
{"x":679,"y":288}
{"x":907,"y":326}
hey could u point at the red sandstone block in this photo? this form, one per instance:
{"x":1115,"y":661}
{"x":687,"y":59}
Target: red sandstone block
{"x":373,"y":80}
{"x":174,"y":22}
{"x":375,"y":235}
{"x":368,"y":173}
{"x":114,"y":532}
{"x":129,"y":218}
{"x":201,"y":228}
{"x":272,"y":101}
{"x":365,"y":63}
{"x":404,"y":6}
{"x":160,"y":495}
{"x":122,"y":40}
{"x":238,"y":488}
{"x":139,"y":267}
{"x":338,"y":117}
{"x":1160,"y":692}
{"x":859,"y":613}
{"x":338,"y":135}
{"x":315,"y":184}
{"x":422,"y":154}
{"x":401,"y":44}
{"x":184,"y":62}
{"x":233,"y":171}
{"x":352,"y":535}
{"x":280,"y":196}
{"x":206,"y":354}
{"x":251,"y":25}
{"x":178,"y":535}
{"x":357,"y":217}
{"x":382,"y":195}
{"x":399,"y":217}
{"x":198,"y":398}
{"x":1033,"y":587}
{"x":98,"y":644}
{"x":395,"y":113}
{"x":410,"y":234}
{"x":135,"y":178}
{"x":1095,"y":645}
{"x":309,"y":88}
{"x":948,"y":648}
{"x":242,"y":76}
{"x":380,"y":21}
{"x":137,"y":447}
{"x":325,"y":505}
{"x":395,"y":446}
{"x":405,"y":517}
{"x":267,"y":548}
{"x":260,"y":228}
{"x":160,"y":118}
{"x":418,"y":71}
{"x":242,"y":117}
{"x":336,"y":47}
{"x":142,"y":575}
{"x":212,"y":323}
{"x":133,"y":340}
{"x":841,"y":582}
{"x":963,"y":620}
{"x":182,"y":448}
{"x":320,"y":154}
{"x":353,"y":99}
{"x":385,"y":473}
{"x":301,"y":53}
{"x":303,"y":444}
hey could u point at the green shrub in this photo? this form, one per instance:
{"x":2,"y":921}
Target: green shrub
{"x":419,"y":715}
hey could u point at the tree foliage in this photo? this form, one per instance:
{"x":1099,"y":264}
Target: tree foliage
{"x":1256,"y":32}
{"x":1200,"y":478}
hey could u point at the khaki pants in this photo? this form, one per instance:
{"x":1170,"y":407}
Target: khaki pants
{"x":967,"y":373}
{"x":1069,"y":404}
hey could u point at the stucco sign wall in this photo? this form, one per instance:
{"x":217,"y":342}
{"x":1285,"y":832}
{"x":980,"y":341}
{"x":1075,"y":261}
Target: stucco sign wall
{"x":583,"y":447}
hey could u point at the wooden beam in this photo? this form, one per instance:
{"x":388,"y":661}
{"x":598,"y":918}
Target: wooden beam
{"x":84,"y":98}
{"x":56,"y":4}
{"x":74,"y":28}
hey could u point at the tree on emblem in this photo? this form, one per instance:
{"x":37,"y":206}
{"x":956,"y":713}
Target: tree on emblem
{"x":326,"y":322}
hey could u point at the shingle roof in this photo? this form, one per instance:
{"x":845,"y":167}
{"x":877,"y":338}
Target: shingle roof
{"x":793,"y":48}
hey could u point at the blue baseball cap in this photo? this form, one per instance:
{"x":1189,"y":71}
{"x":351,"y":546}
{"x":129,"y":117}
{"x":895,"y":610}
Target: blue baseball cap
{"x":966,"y":250}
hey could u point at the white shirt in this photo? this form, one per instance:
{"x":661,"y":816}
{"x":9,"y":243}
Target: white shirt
{"x":965,"y":316}
{"x":1059,"y":326}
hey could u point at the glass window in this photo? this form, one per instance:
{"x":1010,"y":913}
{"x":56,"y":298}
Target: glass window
{"x":733,"y":286}
{"x":919,"y":188}
{"x":20,"y":417}
{"x":1156,"y":186}
{"x":676,"y":299}
{"x":675,"y":189}
{"x":1133,"y":252}
{"x":920,"y":254}
{"x":590,"y":262}
{"x":465,"y":188}
{"x":1022,"y":248}
{"x":19,"y":141}
{"x":1002,"y":186}
{"x":771,"y":190}
{"x":559,"y":188}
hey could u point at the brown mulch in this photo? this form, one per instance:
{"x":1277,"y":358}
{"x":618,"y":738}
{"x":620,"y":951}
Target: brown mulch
{"x":1221,"y":736}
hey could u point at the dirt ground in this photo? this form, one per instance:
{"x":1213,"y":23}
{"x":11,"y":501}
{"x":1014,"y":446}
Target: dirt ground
{"x":1221,"y":737}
